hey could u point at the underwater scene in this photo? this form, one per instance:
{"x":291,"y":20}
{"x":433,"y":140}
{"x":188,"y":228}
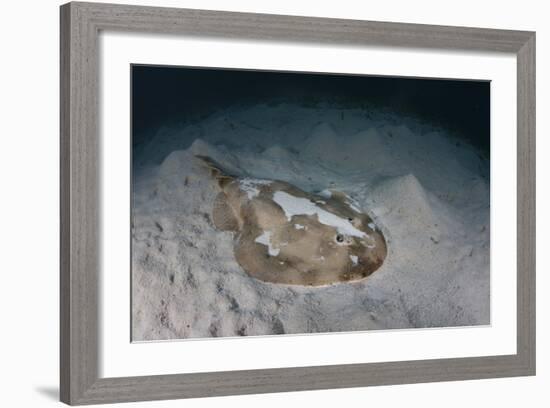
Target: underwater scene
{"x":270,"y":203}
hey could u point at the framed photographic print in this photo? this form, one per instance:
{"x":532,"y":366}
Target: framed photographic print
{"x":327,"y":190}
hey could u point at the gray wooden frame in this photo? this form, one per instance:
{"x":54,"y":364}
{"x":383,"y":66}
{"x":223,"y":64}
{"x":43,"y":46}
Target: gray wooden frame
{"x":80,"y":25}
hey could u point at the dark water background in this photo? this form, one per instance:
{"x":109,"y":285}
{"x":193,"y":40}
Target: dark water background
{"x":164,"y":96}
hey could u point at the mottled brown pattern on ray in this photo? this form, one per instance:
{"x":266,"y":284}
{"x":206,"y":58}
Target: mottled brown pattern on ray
{"x":299,"y":251}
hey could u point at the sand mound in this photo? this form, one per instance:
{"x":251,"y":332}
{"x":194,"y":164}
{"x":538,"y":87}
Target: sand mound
{"x":407,"y":202}
{"x":364,"y":150}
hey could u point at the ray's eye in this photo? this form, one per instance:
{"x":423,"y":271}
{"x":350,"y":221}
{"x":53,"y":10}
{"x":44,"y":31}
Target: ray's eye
{"x":339,"y":238}
{"x":350,"y":219}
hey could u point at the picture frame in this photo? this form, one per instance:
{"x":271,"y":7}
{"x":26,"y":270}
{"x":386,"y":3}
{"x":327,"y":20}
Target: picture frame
{"x":81,"y":24}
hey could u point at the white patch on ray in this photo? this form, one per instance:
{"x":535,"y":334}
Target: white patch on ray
{"x":265,"y":239}
{"x":299,"y":206}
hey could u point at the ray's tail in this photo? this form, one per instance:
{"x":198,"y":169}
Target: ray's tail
{"x":219,"y":172}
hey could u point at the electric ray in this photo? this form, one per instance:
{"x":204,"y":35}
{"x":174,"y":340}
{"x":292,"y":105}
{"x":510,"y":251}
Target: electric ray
{"x":287,"y":236}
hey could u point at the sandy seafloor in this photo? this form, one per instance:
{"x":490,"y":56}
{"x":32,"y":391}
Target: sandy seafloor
{"x":427,"y":190}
